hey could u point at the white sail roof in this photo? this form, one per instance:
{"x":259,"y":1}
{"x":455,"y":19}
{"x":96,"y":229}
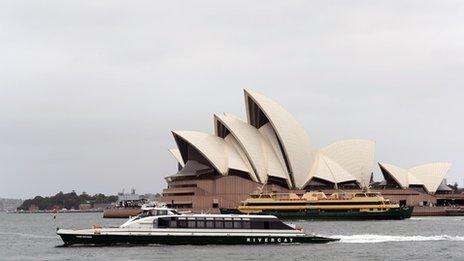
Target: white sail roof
{"x":327,"y":169}
{"x":356,"y":156}
{"x":413,"y":180}
{"x":237,"y":158}
{"x":275,"y":161}
{"x":400,"y":175}
{"x":256,"y":146}
{"x":223,"y":154}
{"x":211,"y":147}
{"x":273,"y":144}
{"x":176,"y":153}
{"x":250,"y":141}
{"x":294,"y":140}
{"x":429,"y":175}
{"x":346,"y":160}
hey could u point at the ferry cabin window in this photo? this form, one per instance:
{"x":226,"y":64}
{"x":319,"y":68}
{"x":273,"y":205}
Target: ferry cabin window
{"x":218,"y":223}
{"x":200,"y":223}
{"x":258,"y":224}
{"x":228,"y":224}
{"x":181,"y":223}
{"x":155,"y":223}
{"x":145,"y":213}
{"x":277,"y":224}
{"x":161,"y":212}
{"x":209,"y":224}
{"x":191,"y":224}
{"x":246,"y":224}
{"x":173,"y":224}
{"x":268,"y":224}
{"x":162,"y":222}
{"x":237,"y":224}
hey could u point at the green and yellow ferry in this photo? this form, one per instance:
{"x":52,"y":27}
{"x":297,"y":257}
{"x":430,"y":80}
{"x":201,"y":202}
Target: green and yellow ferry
{"x":363,"y":205}
{"x":161,"y":225}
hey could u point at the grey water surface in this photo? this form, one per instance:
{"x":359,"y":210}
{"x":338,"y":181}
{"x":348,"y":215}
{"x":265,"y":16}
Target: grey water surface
{"x":32,"y":237}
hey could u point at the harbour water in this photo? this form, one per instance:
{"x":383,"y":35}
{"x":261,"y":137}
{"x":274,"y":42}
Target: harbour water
{"x":32,"y":237}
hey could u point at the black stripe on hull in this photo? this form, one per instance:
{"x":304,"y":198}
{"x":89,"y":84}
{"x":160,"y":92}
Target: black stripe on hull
{"x":397,"y":213}
{"x":72,"y":239}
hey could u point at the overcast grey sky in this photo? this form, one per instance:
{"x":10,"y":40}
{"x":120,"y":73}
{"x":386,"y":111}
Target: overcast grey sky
{"x":89,"y":90}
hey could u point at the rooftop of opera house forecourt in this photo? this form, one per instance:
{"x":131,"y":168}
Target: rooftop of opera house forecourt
{"x":270,"y":147}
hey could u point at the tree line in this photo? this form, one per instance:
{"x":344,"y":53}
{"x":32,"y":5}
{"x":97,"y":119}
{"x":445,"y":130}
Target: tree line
{"x":66,"y":200}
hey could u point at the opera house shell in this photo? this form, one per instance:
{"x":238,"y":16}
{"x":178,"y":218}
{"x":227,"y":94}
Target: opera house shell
{"x":269,"y":148}
{"x":429,"y":177}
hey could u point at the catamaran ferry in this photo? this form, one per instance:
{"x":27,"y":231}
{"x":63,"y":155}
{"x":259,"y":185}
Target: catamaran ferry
{"x":161,"y":225}
{"x":317,"y":205}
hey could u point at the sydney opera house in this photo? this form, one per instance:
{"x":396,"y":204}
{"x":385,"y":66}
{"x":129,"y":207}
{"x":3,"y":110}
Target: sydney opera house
{"x":271,"y":148}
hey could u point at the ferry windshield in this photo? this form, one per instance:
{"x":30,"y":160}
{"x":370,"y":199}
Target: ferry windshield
{"x":157,"y":212}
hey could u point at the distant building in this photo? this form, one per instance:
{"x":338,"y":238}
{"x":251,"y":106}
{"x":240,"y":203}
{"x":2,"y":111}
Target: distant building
{"x":102,"y":206}
{"x":130,"y":199}
{"x":85,"y":206}
{"x":151,"y":197}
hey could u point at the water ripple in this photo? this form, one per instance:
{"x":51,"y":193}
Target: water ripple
{"x":372,"y":238}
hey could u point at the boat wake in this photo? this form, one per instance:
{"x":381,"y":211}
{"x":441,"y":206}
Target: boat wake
{"x":370,"y":238}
